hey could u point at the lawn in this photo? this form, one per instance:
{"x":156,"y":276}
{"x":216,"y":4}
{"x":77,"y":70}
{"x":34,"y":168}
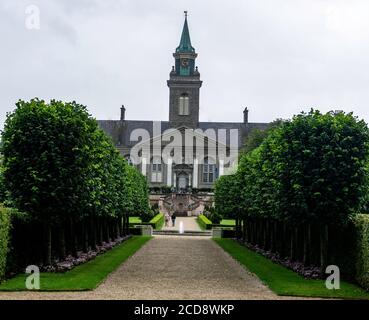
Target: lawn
{"x":228,"y":222}
{"x":135,"y":220}
{"x":83,"y":277}
{"x":283,"y":281}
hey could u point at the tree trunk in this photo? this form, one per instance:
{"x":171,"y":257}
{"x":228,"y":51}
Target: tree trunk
{"x":291,"y":245}
{"x":99,"y":237}
{"x":115,"y":228}
{"x":324,"y":246}
{"x":296,"y":243}
{"x":93,"y":233}
{"x":239,"y":228}
{"x":123,"y":225}
{"x":260,"y":233}
{"x":255,"y":232}
{"x":307,"y":244}
{"x":284,"y":251}
{"x":266,"y":234}
{"x":274,"y":246}
{"x":119,"y":226}
{"x":84,"y":236}
{"x":62,"y":250}
{"x":255,"y":240}
{"x":107,"y":227}
{"x":127,"y":224}
{"x":112,"y":229}
{"x":249,"y":226}
{"x":47,"y":243}
{"x":251,"y":233}
{"x":73,"y":243}
{"x":245,"y":221}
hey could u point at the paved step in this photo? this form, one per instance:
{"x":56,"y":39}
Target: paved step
{"x":186,"y":233}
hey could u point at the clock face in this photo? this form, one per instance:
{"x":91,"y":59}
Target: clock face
{"x":184,"y":63}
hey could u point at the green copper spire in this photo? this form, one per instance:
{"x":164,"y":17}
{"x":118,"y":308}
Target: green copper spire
{"x":185,"y":44}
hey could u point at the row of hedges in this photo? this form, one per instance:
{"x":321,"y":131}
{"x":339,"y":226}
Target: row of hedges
{"x":4,"y":239}
{"x":64,"y":172}
{"x":300,"y":187}
{"x":204,"y":222}
{"x":156,"y":222}
{"x":207,"y":220}
{"x":361,"y":223}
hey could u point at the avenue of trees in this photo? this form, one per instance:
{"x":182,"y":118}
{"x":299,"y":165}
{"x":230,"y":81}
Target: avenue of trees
{"x":64,"y":174}
{"x":300,"y":186}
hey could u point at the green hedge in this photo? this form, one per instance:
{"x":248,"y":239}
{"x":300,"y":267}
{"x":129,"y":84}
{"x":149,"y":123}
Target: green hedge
{"x":134,"y":220}
{"x":135,"y":231}
{"x":158,"y":221}
{"x":361,"y":222}
{"x":226,"y":223}
{"x":204,"y":222}
{"x":4,"y":238}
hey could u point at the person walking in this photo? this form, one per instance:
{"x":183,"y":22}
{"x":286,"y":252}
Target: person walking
{"x":173,"y":219}
{"x":167,"y":217}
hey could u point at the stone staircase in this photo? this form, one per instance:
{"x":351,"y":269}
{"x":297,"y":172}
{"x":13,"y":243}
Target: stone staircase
{"x":206,"y":233}
{"x":183,"y":204}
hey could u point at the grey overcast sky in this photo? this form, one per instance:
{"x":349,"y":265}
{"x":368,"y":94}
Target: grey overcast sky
{"x":277,"y":57}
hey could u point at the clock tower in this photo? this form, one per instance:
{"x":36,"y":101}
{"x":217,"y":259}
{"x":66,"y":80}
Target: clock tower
{"x":184,"y":84}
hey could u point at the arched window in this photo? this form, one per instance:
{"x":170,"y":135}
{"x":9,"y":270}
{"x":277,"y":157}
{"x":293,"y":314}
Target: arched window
{"x":184,"y":105}
{"x":209,"y":171}
{"x":156,"y":170}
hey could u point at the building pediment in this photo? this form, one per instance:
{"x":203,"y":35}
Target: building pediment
{"x":182,"y":130}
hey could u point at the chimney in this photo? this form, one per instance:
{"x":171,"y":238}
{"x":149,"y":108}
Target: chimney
{"x":246,"y":115}
{"x":122,"y":113}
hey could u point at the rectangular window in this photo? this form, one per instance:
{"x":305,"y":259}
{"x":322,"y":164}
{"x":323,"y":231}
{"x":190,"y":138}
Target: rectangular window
{"x":205,"y":177}
{"x":153,"y":177}
{"x":211,"y":177}
{"x":186,"y":106}
{"x":181,"y":106}
{"x":158,"y":177}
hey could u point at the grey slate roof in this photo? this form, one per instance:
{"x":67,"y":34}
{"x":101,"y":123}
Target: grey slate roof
{"x":120,"y":130}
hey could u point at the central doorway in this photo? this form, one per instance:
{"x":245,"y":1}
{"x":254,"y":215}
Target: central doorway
{"x":182,"y":182}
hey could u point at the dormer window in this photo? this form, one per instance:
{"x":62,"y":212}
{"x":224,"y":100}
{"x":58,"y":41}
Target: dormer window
{"x":184,"y":105}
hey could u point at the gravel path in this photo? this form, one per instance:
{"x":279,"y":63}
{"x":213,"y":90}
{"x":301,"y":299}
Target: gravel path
{"x":171,"y":267}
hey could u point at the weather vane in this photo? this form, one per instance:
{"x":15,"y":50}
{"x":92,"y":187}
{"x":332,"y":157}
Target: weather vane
{"x":185,"y":12}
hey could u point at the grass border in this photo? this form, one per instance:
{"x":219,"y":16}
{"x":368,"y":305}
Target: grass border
{"x":283,"y":281}
{"x":83,"y":277}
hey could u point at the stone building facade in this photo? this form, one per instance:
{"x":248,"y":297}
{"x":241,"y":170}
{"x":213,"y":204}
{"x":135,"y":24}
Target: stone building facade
{"x":173,"y":163}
